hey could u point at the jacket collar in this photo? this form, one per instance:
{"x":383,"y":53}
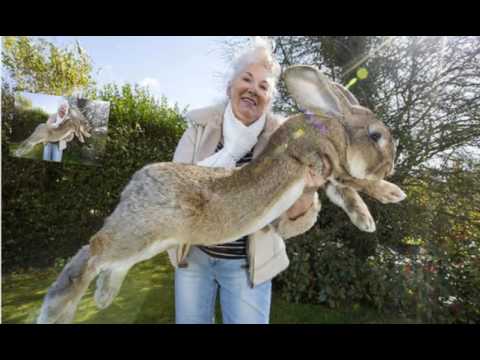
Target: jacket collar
{"x":211,"y":118}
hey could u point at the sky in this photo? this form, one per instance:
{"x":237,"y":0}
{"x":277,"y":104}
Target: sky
{"x":183,"y":68}
{"x":47,"y":103}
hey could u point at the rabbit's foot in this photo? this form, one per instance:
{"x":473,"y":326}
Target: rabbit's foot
{"x":387,"y":193}
{"x":362,"y":220}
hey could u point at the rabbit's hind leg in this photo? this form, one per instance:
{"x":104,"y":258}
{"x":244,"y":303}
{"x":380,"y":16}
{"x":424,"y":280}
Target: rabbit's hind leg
{"x":63,"y":296}
{"x":111,"y":278}
{"x":109,"y":282}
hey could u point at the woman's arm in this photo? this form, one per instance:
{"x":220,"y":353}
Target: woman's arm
{"x":54,"y":121}
{"x":305,"y":202}
{"x":51,"y":119}
{"x":185,"y":149}
{"x":288,"y":228}
{"x":302,"y":215}
{"x":313,"y":181}
{"x":184,"y":153}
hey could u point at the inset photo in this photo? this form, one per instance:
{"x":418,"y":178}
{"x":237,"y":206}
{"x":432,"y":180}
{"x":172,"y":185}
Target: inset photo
{"x":62,"y":129}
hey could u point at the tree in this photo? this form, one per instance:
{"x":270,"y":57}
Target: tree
{"x":22,"y":102}
{"x":424,"y":88}
{"x":40,"y":66}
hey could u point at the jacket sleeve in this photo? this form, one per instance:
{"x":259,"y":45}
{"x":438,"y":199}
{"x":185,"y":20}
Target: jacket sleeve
{"x":51,"y":120}
{"x":185,"y":149}
{"x":287,"y":228}
{"x":184,"y":153}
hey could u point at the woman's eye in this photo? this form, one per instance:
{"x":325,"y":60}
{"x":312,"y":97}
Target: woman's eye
{"x":246,"y":79}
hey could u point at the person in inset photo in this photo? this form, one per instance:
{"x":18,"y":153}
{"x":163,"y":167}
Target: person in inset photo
{"x":53,"y":150}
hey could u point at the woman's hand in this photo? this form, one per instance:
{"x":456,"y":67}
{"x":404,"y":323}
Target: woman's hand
{"x":312,"y":182}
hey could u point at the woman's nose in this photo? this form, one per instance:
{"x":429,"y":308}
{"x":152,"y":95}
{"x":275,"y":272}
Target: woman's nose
{"x":252,"y":90}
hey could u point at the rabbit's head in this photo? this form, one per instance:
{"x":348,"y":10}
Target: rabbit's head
{"x":370,"y":149}
{"x":81,"y":124}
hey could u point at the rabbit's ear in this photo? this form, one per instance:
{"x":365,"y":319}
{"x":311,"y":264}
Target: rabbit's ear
{"x":312,"y":90}
{"x":349,"y":100}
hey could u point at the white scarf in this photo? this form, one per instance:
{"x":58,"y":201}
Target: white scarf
{"x":58,"y":118}
{"x":56,"y":124}
{"x":238,"y":140}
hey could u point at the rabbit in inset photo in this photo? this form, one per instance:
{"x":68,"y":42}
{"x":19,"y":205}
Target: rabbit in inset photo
{"x":174,"y":204}
{"x":74,"y":124}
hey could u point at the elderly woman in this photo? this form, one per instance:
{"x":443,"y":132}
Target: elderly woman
{"x":54,"y":151}
{"x":230,"y":135}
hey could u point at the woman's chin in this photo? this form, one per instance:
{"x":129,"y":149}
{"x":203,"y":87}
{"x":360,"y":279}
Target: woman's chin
{"x":247,"y":115}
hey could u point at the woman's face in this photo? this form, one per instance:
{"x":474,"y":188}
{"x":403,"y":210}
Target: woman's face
{"x":249,"y":93}
{"x":62,"y":111}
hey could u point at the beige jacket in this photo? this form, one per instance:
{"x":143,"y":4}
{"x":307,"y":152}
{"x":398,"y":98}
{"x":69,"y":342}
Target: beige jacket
{"x":52,"y":119}
{"x":266,"y":248}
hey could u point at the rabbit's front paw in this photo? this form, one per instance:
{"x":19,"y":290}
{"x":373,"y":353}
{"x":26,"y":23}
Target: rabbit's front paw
{"x":356,"y":209}
{"x":387,"y":193}
{"x":363,"y":220}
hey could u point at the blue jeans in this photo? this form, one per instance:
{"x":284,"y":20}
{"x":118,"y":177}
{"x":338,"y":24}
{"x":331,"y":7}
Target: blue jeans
{"x":196,"y":288}
{"x":52,"y":151}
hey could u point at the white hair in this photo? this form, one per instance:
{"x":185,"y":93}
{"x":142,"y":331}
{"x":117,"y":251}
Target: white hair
{"x":63,"y":103}
{"x":257,"y":51}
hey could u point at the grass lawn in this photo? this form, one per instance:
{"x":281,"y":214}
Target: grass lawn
{"x":147,"y":297}
{"x":35,"y":154}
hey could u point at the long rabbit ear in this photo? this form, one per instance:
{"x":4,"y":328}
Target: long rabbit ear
{"x":349,"y":100}
{"x":312,"y":90}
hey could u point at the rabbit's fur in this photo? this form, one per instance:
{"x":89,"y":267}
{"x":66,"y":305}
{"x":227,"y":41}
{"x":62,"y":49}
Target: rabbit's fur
{"x":75,"y":124}
{"x":359,"y":147}
{"x":171,"y":204}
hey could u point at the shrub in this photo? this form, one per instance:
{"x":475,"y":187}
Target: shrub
{"x":420,"y":278}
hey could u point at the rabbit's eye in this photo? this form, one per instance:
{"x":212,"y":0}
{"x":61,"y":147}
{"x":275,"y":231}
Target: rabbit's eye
{"x":375,"y":136}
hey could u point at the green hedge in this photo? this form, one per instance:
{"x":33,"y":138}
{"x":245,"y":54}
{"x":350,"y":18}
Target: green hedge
{"x":51,"y":209}
{"x":26,"y":120}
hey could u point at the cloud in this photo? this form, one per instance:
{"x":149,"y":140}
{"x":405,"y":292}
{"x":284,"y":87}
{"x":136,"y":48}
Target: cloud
{"x":152,"y":83}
